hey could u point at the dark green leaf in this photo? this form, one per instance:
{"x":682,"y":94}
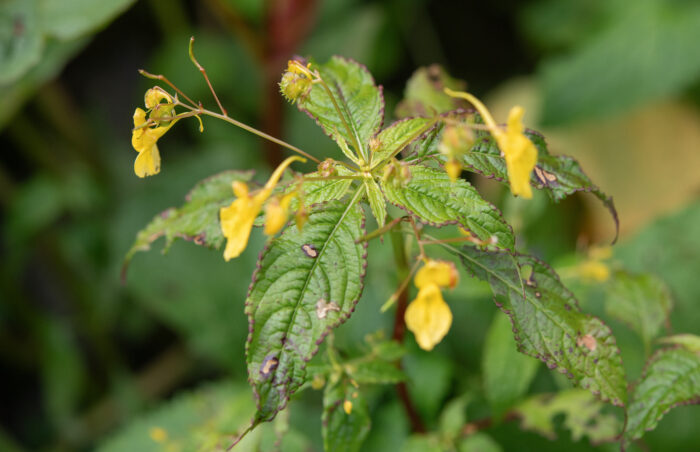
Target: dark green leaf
{"x":197,"y":220}
{"x":671,"y":378}
{"x":434,"y":199}
{"x":583,"y":415}
{"x":558,"y":175}
{"x":360,"y":102}
{"x":548,"y":323}
{"x":320,"y":191}
{"x":640,"y":300}
{"x":424,"y":94}
{"x":343,"y":431}
{"x":306,"y":284}
{"x":507,"y":373}
{"x":478,"y":442}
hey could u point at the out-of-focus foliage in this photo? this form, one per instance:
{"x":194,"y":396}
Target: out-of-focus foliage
{"x":84,"y":356}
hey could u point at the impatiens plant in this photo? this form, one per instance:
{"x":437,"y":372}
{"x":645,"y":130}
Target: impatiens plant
{"x":408,"y":176}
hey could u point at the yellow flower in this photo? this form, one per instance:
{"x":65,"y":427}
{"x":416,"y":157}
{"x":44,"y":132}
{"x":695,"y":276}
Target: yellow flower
{"x":442,"y":273}
{"x":519,"y":152}
{"x":453,"y":169}
{"x":144,"y":138}
{"x":428,"y":317}
{"x":276,"y":213}
{"x":158,"y":434}
{"x":594,"y":270}
{"x":237,"y":219}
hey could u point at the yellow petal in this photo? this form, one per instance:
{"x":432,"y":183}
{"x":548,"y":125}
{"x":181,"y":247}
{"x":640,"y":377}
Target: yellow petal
{"x":236,"y":224}
{"x":147,"y":163}
{"x":440,"y":273}
{"x":428,"y":317}
{"x":593,"y":270}
{"x":519,"y":152}
{"x":155,"y":95}
{"x":275,"y":217}
{"x":453,"y":169}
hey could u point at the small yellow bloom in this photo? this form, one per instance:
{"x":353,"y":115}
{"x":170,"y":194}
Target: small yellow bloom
{"x":154,"y":95}
{"x":144,"y":139}
{"x":441,"y":273}
{"x":428,"y":317}
{"x":276,"y":213}
{"x":594,"y":270}
{"x":453,"y":169}
{"x":238,"y":218}
{"x":158,"y":434}
{"x":347,"y":407}
{"x":519,"y":152}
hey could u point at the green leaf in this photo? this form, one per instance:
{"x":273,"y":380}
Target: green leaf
{"x":204,"y":420}
{"x":360,"y":102}
{"x":454,"y":416}
{"x":424,"y":94}
{"x":638,"y":57}
{"x":21,"y":37}
{"x":320,"y":191}
{"x":548,"y":323}
{"x":671,"y":378}
{"x":376,"y":201}
{"x":399,"y":135}
{"x":507,"y":373}
{"x":583,"y":416}
{"x":690,"y":342}
{"x":70,"y":19}
{"x":197,"y":220}
{"x":373,"y":369}
{"x":306,"y":284}
{"x":434,"y":199}
{"x":558,"y":175}
{"x":343,"y":432}
{"x":642,"y":301}
{"x":478,"y":442}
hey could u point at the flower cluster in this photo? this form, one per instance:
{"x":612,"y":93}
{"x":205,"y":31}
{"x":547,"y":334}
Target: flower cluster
{"x":428,"y":316}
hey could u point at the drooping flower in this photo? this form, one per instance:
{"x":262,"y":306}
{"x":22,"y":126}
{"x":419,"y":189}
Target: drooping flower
{"x":428,"y":316}
{"x":519,"y":152}
{"x":277,"y":212}
{"x":238,"y":218}
{"x":144,"y":137}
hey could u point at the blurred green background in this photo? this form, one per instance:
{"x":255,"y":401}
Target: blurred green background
{"x":612,"y":82}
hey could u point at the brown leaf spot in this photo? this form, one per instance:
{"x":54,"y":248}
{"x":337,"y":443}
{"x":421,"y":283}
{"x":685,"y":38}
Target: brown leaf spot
{"x":587,"y":341}
{"x":309,"y":250}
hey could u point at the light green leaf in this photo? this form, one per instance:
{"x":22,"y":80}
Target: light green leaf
{"x":424,"y":95}
{"x":454,"y":416}
{"x":642,"y":301}
{"x":671,"y":378}
{"x":207,"y":419}
{"x":373,"y":370}
{"x":376,"y":201}
{"x":583,"y":416}
{"x":478,"y":442}
{"x":21,"y":37}
{"x":507,"y":373}
{"x":342,"y":431}
{"x":360,"y":102}
{"x":306,"y":284}
{"x":423,"y":443}
{"x":558,"y":175}
{"x":548,"y":323}
{"x":320,"y":191}
{"x":434,"y":199}
{"x":690,"y":342}
{"x":70,"y":19}
{"x":399,"y":135}
{"x":197,"y":220}
{"x":640,"y":56}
